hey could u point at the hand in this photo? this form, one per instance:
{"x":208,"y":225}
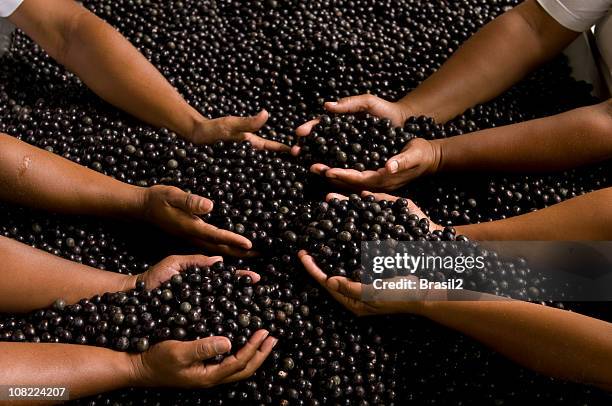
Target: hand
{"x":175,"y":211}
{"x":367,"y":103}
{"x":412,"y":207}
{"x":418,"y":158}
{"x":232,"y":128}
{"x":170,"y":266}
{"x":180,"y":364}
{"x":352,"y":295}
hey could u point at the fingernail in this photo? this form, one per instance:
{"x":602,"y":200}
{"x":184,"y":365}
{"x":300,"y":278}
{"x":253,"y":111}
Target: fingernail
{"x":221,"y":346}
{"x":393,"y":166}
{"x":333,"y":103}
{"x":266,"y":334}
{"x":330,"y":175}
{"x":275,"y":342}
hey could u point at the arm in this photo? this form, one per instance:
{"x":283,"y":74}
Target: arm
{"x":33,"y":279}
{"x":586,"y":217}
{"x":83,"y":370}
{"x":121,"y":75}
{"x":492,"y":60}
{"x":87,"y":370}
{"x":563,"y":141}
{"x":550,"y":341}
{"x":33,"y":177}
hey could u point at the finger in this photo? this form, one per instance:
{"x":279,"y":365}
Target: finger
{"x":403,"y":161}
{"x":188,"y":202}
{"x":306,"y":128}
{"x":245,"y":124}
{"x":240,"y":360}
{"x":224,"y":249}
{"x":183,"y":262}
{"x":355,"y":179}
{"x":206,"y":348}
{"x":254,"y":275}
{"x":318,"y":275}
{"x":268,"y":145}
{"x":345,"y":287}
{"x":211,"y":234}
{"x":260,"y":356}
{"x":312,"y":268}
{"x":319,"y":169}
{"x":350,"y":104}
{"x":295,"y":150}
{"x":338,"y":196}
{"x":380,"y":196}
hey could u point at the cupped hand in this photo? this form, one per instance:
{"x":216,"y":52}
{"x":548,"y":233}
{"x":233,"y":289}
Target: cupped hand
{"x":182,"y":364}
{"x":233,"y":128}
{"x":175,"y":264}
{"x":365,"y":300}
{"x":419,"y":157}
{"x":176,"y":212}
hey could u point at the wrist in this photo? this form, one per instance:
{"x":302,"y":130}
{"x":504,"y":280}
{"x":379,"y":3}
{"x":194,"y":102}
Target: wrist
{"x":128,"y":282}
{"x":138,"y":203}
{"x":406,"y":108}
{"x":136,"y":371}
{"x":437,"y":152}
{"x":197,"y":131}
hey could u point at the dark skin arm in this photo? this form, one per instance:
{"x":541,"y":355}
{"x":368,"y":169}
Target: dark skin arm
{"x":586,"y":217}
{"x":36,"y":178}
{"x":499,"y":55}
{"x":91,"y":49}
{"x":551,"y":341}
{"x":87,"y":370}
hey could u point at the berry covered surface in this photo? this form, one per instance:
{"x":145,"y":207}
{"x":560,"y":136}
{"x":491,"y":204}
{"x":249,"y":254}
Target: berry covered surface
{"x":287,"y":56}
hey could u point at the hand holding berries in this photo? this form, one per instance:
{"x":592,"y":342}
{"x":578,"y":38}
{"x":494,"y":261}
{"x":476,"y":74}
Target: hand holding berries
{"x":175,"y":211}
{"x":419,"y":157}
{"x":174,"y":265}
{"x":182,"y":364}
{"x":361,"y":299}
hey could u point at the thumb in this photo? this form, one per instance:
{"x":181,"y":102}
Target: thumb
{"x":210,"y":347}
{"x":189,"y":202}
{"x":248,"y":124}
{"x":402,"y":161}
{"x":350,"y":104}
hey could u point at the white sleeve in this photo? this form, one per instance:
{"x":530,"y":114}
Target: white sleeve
{"x":7,"y":7}
{"x":576,"y":15}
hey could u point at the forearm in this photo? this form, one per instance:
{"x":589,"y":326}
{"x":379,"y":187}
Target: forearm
{"x":587,"y":217}
{"x":495,"y":58}
{"x":550,"y":341}
{"x":33,"y":279}
{"x":567,"y":140}
{"x":107,"y":63}
{"x":83,"y":370}
{"x":33,"y":177}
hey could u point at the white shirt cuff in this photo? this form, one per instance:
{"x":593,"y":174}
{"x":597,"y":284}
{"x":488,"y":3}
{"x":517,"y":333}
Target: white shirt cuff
{"x":564,"y":16}
{"x":7,"y":7}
